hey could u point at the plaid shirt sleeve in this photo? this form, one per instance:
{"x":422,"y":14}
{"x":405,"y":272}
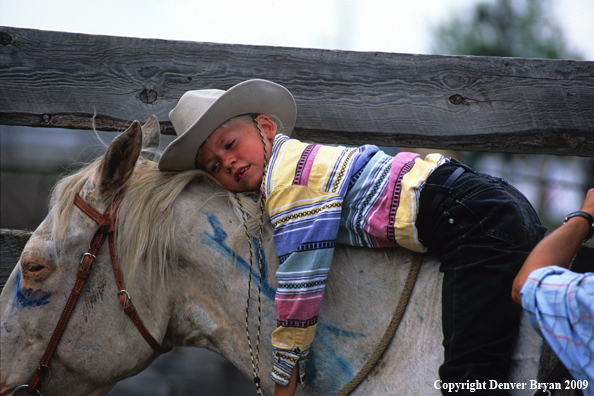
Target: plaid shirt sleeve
{"x":560,"y":305}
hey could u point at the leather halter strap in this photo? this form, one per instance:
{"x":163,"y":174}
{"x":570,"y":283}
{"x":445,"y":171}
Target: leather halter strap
{"x":107,"y":223}
{"x":125,"y":299}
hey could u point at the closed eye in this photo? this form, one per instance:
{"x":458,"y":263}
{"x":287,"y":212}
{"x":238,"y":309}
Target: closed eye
{"x":230,"y":144}
{"x":35,"y":267}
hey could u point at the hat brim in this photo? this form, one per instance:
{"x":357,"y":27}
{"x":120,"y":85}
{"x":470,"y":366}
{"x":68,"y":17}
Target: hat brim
{"x":252,"y":96}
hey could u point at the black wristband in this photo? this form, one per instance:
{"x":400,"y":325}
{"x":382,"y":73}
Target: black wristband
{"x":586,"y":216}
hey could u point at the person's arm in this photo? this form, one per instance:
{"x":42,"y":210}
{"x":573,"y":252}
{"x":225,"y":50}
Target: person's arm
{"x":290,"y":389}
{"x":304,"y":188}
{"x":305,"y":223}
{"x":558,"y":248}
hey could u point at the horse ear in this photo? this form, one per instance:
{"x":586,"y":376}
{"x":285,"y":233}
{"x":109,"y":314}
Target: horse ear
{"x":151,"y":136}
{"x":120,"y":159}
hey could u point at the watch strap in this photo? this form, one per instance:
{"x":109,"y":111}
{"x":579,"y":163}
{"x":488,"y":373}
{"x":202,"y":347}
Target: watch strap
{"x":586,"y":216}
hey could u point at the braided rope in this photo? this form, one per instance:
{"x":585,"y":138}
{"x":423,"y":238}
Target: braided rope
{"x":260,"y":244}
{"x":389,"y":334}
{"x":255,"y":356}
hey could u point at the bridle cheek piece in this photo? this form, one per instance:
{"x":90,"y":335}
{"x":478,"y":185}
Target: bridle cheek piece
{"x":106,"y":230}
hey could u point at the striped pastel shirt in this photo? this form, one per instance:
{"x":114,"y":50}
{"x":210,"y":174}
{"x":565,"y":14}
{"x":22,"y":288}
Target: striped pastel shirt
{"x":559,"y":304}
{"x":316,"y":196}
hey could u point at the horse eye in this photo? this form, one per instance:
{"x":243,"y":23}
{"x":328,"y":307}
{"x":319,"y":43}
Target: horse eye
{"x":35,"y":267}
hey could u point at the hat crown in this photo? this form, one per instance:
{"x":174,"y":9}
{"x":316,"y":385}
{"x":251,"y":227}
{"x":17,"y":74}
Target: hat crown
{"x":199,"y":113}
{"x":191,"y":106}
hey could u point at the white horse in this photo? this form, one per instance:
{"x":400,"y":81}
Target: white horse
{"x":185,"y":262}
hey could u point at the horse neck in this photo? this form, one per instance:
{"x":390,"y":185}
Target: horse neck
{"x":211,"y":287}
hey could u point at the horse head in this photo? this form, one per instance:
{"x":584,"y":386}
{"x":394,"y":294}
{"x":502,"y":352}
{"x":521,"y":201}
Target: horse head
{"x":98,"y":346}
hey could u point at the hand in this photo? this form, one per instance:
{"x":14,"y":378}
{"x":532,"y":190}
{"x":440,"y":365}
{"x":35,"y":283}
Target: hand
{"x":288,"y":390}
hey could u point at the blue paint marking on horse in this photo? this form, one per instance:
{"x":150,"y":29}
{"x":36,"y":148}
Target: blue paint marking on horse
{"x":218,"y":241}
{"x":338,"y":332}
{"x":346,"y":370}
{"x":30,"y":298}
{"x":327,"y":332}
{"x":335,"y":382}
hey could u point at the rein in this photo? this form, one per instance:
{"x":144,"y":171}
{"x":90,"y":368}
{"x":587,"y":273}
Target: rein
{"x":106,"y":230}
{"x":391,"y":330}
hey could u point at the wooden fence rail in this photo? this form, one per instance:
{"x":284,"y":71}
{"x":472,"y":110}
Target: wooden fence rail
{"x":514,"y":105}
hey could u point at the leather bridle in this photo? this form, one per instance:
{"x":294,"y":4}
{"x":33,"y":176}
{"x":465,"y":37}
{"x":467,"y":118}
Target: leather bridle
{"x":106,"y":230}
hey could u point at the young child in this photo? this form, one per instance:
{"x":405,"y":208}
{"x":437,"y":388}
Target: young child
{"x":481,"y":228}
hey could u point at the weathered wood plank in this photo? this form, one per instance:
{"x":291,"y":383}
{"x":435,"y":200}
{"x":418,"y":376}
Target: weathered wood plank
{"x":468,"y":103}
{"x":12,"y":243}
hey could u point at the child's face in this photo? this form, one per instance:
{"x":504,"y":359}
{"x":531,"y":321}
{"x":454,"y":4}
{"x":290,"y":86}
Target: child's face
{"x":234,"y":153}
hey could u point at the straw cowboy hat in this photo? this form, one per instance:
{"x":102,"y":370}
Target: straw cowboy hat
{"x":199,"y":113}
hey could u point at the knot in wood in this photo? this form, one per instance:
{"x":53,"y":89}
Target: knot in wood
{"x":148,"y":96}
{"x":456,"y":99}
{"x":5,"y":39}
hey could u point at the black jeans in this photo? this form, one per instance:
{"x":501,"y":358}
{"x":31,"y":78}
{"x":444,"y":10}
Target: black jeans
{"x":482,"y":230}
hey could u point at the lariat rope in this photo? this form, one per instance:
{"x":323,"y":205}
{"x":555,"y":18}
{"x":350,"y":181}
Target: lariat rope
{"x":389,"y":334}
{"x":255,"y":356}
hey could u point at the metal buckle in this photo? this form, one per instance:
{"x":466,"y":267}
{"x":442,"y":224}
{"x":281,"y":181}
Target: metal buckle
{"x":89,"y":255}
{"x":128,"y":298}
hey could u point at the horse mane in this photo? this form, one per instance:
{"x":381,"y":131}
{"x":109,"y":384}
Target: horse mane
{"x":145,"y":234}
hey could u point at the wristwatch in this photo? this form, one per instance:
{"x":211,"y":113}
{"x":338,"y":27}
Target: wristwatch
{"x":586,"y":216}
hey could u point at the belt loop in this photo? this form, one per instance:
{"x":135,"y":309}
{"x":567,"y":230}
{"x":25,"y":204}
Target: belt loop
{"x":447,"y":185}
{"x":453,"y":177}
{"x":457,"y":163}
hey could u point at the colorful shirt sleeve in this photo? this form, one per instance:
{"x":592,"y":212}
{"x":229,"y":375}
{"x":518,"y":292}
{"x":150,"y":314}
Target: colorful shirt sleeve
{"x":304,"y":199}
{"x":380,"y":208}
{"x":560,"y":305}
{"x":304,"y":235}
